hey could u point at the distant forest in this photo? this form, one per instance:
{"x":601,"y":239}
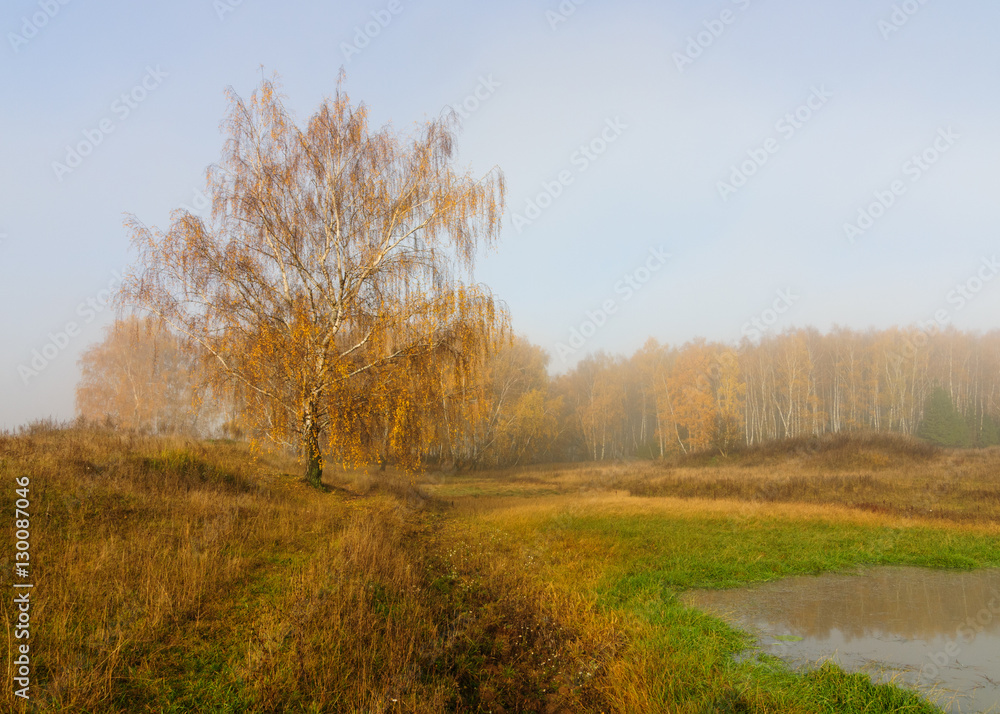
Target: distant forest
{"x":944,"y":387}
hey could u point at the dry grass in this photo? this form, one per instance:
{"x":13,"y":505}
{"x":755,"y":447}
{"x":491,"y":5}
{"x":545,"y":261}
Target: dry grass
{"x":178,"y":576}
{"x":883,"y":474}
{"x":137,"y":545}
{"x":173,"y":575}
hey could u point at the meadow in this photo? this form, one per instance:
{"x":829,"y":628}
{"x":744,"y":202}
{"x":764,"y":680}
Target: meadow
{"x":178,"y":575}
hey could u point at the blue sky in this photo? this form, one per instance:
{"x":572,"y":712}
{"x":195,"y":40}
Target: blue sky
{"x":622,"y":118}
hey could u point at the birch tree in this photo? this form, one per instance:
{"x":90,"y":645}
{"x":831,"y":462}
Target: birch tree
{"x":336,"y":259}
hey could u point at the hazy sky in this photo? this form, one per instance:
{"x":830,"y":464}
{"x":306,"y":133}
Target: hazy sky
{"x":675,"y":169}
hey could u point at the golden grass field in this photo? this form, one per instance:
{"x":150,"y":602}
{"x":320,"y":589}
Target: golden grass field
{"x":175,"y":575}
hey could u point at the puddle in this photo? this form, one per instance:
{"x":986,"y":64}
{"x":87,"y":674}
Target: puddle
{"x":935,"y":631}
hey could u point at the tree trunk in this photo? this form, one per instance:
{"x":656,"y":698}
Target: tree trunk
{"x":314,"y":471}
{"x":314,"y":458}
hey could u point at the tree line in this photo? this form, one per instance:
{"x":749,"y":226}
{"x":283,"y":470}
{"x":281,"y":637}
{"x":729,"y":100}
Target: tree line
{"x":801,"y":382}
{"x":662,"y":400}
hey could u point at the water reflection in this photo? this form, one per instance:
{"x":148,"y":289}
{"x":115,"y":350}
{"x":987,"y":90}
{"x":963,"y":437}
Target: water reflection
{"x":936,"y":630}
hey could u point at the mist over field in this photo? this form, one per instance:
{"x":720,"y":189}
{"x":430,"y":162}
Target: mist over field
{"x":404,"y":357}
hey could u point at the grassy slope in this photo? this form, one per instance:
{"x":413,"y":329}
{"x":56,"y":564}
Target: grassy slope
{"x":175,"y":576}
{"x":178,"y":576}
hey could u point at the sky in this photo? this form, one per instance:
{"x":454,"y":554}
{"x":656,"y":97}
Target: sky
{"x":675,"y":170}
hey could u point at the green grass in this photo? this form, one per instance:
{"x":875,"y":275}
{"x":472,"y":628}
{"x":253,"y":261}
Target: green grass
{"x":699,"y":552}
{"x":654,"y":560}
{"x":635,"y":566}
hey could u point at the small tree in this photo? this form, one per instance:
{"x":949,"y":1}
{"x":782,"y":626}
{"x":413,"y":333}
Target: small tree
{"x":942,"y":423}
{"x":142,"y":376}
{"x":507,"y":416}
{"x":329,"y":274}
